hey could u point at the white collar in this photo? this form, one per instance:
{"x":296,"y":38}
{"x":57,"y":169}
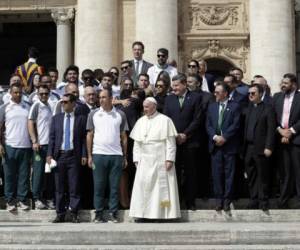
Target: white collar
{"x":102,"y":110}
{"x":72,"y":114}
{"x":33,"y":60}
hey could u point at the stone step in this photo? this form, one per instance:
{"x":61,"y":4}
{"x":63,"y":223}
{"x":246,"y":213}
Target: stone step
{"x":155,"y":234}
{"x":210,"y":203}
{"x":144,"y":247}
{"x":187,"y":216}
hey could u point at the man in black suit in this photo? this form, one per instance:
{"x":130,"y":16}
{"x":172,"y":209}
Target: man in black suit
{"x":242,"y":87}
{"x":140,"y":66}
{"x":194,"y":82}
{"x":207,"y":79}
{"x":287,"y":110}
{"x":67,"y":146}
{"x":259,"y":140}
{"x":234,"y":95}
{"x":184,"y":108}
{"x":222,"y":125}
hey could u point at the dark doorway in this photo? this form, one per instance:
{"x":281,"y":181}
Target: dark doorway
{"x":218,"y":67}
{"x":15,"y":38}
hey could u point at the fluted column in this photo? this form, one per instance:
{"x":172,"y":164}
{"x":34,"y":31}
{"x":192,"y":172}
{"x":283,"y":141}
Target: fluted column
{"x":96,"y":34}
{"x":156,"y":27}
{"x":64,"y":45}
{"x":272,"y":39}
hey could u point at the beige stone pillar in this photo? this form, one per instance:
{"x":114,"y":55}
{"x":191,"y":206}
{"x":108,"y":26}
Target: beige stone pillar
{"x":272,"y":39}
{"x":64,"y":44}
{"x":157,"y":27}
{"x":96,"y":32}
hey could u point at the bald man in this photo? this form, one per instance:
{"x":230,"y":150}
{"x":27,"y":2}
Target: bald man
{"x":155,"y":192}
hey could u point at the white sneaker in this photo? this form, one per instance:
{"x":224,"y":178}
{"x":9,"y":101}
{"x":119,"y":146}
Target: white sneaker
{"x":38,"y":204}
{"x":10,"y":206}
{"x":50,"y":204}
{"x":23,"y":205}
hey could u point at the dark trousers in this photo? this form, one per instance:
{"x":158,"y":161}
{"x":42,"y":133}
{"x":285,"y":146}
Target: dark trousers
{"x":38,"y":172}
{"x":223,"y":169}
{"x":67,"y":172}
{"x":16,"y":173}
{"x":186,"y":163}
{"x":258,"y":173}
{"x":107,"y":170}
{"x":87,"y":187}
{"x":289,"y":170}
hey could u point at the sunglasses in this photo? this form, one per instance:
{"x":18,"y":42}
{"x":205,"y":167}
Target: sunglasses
{"x":46,"y":94}
{"x":251,"y":93}
{"x":65,"y":102}
{"x":160,"y":55}
{"x":87,"y":78}
{"x":192,"y":66}
{"x":159,"y":86}
{"x":124,"y":68}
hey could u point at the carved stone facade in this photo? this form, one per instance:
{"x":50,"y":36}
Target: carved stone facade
{"x":214,"y":29}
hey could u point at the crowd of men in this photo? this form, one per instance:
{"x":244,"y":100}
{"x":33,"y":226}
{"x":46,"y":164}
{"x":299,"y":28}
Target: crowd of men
{"x":68,"y":145}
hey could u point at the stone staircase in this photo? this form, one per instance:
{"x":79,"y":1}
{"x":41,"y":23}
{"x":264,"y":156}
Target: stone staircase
{"x":201,"y":229}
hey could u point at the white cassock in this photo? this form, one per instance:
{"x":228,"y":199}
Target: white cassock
{"x":155,"y":191}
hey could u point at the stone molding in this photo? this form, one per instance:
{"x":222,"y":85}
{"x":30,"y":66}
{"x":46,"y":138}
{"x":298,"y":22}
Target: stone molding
{"x":63,"y":16}
{"x":237,"y":53}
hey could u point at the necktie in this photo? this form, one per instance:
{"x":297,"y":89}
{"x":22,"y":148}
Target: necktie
{"x":180,"y":99}
{"x":137,"y":68}
{"x":68,"y":132}
{"x":220,"y":120}
{"x":286,"y":111}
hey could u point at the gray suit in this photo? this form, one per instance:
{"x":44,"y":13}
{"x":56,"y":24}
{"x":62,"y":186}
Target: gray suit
{"x":146,"y":65}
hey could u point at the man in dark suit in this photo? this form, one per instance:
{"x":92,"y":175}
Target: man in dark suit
{"x":222,"y":125}
{"x":67,"y":146}
{"x":140,"y":66}
{"x":259,"y":140}
{"x":287,"y":110}
{"x":242,"y":87}
{"x":207,"y":79}
{"x":184,"y":108}
{"x":194,"y":82}
{"x":234,"y":95}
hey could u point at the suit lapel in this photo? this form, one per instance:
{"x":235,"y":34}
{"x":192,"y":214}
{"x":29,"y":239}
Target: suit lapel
{"x":61,"y":125}
{"x":295,"y":104}
{"x":280,"y":105}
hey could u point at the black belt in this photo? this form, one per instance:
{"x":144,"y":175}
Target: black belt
{"x":67,"y":152}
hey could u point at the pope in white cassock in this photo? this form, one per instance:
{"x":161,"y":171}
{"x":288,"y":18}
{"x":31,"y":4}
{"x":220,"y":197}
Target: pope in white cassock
{"x":155,"y":191}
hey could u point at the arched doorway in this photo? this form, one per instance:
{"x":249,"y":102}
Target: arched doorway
{"x":218,"y":67}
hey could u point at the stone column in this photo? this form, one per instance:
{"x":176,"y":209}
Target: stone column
{"x":64,"y":49}
{"x":96,"y":32}
{"x":272,"y":39}
{"x":157,"y":27}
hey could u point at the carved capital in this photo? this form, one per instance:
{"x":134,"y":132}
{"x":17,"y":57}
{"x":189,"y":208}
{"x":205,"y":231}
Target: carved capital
{"x":62,"y":15}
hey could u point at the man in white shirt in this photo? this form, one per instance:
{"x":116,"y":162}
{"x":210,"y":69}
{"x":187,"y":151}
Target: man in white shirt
{"x":162,"y":58}
{"x":106,"y":146}
{"x":39,"y":121}
{"x":16,"y":149}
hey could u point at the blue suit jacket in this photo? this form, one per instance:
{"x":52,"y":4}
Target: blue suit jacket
{"x":56,"y":136}
{"x":187,"y":118}
{"x":230,"y":126}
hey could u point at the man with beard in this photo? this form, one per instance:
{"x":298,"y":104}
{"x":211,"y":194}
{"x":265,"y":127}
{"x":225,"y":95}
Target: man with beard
{"x":287,"y":110}
{"x":70,"y":76}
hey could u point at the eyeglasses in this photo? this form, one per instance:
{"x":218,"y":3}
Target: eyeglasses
{"x":160,"y":55}
{"x":114,"y":73}
{"x":124,"y":68}
{"x":192,"y":66}
{"x":251,"y":93}
{"x":46,"y":94}
{"x":65,"y":102}
{"x":159,"y":86}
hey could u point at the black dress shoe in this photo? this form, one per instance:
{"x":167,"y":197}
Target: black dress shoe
{"x":226,"y":207}
{"x":74,"y":218}
{"x":264,"y":207}
{"x":218,"y":208}
{"x":59,"y":219}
